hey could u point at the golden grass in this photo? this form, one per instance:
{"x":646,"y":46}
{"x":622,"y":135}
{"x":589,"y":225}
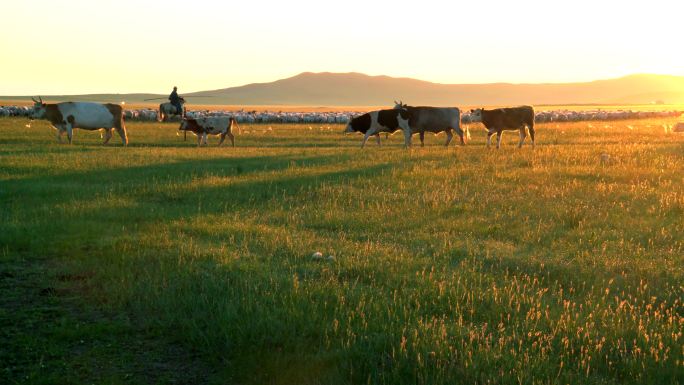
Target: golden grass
{"x":561,"y":264}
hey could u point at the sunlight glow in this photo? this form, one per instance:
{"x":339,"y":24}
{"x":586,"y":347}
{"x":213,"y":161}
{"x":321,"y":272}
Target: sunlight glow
{"x":130,"y":46}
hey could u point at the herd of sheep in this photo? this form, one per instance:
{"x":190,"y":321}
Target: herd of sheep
{"x":242,"y":116}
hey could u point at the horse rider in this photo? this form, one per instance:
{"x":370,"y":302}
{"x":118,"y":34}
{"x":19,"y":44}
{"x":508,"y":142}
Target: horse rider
{"x":176,"y":101}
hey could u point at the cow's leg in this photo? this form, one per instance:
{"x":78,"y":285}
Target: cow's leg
{"x":531,"y":128}
{"x":366,"y":136}
{"x":422,"y":138}
{"x":121,"y":130}
{"x":232,"y":138}
{"x":60,"y":132}
{"x":450,"y":136}
{"x":199,"y":140}
{"x":107,"y":136}
{"x":499,"y":134}
{"x":69,"y":131}
{"x":377,"y":138}
{"x":204,"y":138}
{"x":489,"y":137}
{"x":124,"y":136}
{"x":461,"y":134}
{"x":407,"y":137}
{"x":223,"y":137}
{"x":523,"y":134}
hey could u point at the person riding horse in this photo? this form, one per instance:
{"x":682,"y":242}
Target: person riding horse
{"x":177,"y":101}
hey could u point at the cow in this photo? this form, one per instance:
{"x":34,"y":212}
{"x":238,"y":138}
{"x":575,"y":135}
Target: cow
{"x":89,"y":116}
{"x":375,"y":122}
{"x":167,"y":109}
{"x":500,"y":119}
{"x":434,"y":119}
{"x":377,"y":135}
{"x":215,"y":125}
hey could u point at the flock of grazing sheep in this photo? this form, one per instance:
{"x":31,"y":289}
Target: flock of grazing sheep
{"x":564,"y":115}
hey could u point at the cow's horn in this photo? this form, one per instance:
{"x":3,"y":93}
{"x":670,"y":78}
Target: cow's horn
{"x":34,"y":100}
{"x":41,"y":99}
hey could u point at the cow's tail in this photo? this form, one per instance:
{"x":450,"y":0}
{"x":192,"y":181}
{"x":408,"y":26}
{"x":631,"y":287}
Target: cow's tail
{"x":160,"y":116}
{"x":239,"y":130}
{"x":464,"y":127}
{"x":122,"y":127}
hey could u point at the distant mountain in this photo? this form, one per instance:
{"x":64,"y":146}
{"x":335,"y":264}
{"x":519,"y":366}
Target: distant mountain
{"x":355,"y":89}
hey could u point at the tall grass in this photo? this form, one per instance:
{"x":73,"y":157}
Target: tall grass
{"x":559,"y":264}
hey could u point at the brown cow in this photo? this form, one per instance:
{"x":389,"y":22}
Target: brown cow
{"x":500,"y":119}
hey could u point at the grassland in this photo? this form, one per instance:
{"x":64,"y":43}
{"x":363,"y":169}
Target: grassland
{"x":165,"y":263}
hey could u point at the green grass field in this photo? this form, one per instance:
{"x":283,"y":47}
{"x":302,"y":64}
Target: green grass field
{"x":164,"y":263}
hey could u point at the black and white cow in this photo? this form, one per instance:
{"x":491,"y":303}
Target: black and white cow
{"x":501,"y":119}
{"x":88,"y":116}
{"x":375,"y":122}
{"x":434,"y":119}
{"x":216,"y":125}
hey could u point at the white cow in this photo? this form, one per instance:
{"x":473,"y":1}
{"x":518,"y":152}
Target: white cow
{"x":374,"y":122}
{"x":218,"y":125}
{"x":88,"y":116}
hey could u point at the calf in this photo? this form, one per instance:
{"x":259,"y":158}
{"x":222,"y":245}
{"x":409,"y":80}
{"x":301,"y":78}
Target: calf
{"x":216,"y":125}
{"x":88,"y":116}
{"x":375,"y":122}
{"x":500,"y":119}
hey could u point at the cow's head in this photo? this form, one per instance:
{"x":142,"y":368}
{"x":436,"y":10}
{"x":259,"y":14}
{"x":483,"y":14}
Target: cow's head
{"x":349,"y":128}
{"x":38,"y":111}
{"x":399,"y":105}
{"x":189,"y":124}
{"x":184,"y":125}
{"x":476,"y":115}
{"x":361,"y":123}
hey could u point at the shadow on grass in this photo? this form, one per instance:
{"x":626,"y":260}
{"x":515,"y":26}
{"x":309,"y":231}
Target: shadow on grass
{"x":158,"y":192}
{"x":71,"y":240}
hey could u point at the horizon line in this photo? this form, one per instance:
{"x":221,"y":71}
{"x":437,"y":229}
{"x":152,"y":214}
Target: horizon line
{"x":352,"y":73}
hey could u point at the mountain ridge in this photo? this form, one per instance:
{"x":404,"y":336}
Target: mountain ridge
{"x":353,"y":88}
{"x":357,"y":89}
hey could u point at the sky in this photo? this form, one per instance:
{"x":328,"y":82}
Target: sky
{"x":74,"y":47}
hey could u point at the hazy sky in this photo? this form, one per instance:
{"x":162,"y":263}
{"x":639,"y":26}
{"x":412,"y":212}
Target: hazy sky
{"x":67,"y":47}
